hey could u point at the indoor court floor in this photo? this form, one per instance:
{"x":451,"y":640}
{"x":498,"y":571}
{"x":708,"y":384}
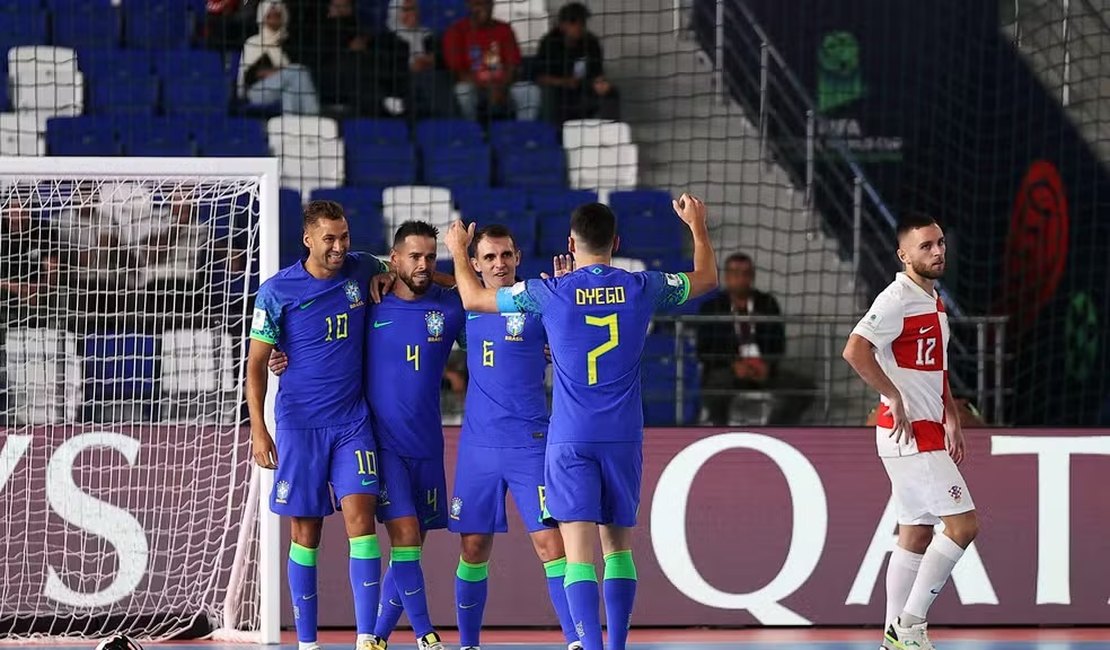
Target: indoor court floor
{"x":762,"y":639}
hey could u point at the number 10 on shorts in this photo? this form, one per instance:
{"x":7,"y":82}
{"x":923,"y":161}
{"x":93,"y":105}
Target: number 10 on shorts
{"x":367,"y":463}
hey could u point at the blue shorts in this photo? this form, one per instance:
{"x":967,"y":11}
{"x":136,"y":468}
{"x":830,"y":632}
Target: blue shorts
{"x":412,"y":487}
{"x":593,"y":481}
{"x":310,"y":460}
{"x":483,"y":475}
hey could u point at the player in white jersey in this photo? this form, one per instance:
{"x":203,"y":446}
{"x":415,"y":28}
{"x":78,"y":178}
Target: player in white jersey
{"x":900,"y":348}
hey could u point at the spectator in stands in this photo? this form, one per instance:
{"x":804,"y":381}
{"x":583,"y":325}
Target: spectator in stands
{"x":747,"y":356}
{"x":366,"y":72}
{"x":569,"y":69}
{"x":484,"y":57}
{"x":228,"y":23}
{"x":29,"y":254}
{"x":266,"y":73}
{"x":431,"y":94}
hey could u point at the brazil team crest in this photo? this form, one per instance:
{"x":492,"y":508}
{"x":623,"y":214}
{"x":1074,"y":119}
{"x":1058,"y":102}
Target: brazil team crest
{"x":456,"y":507}
{"x":352,"y":291}
{"x":514,"y":324}
{"x":435,"y":321}
{"x":282,"y":491}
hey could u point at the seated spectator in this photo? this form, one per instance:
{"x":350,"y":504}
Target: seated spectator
{"x":484,"y":57}
{"x":266,"y":73}
{"x":367,"y":72}
{"x":569,"y":70}
{"x":431,"y":94}
{"x":228,"y":24}
{"x":746,"y":356}
{"x":29,"y":254}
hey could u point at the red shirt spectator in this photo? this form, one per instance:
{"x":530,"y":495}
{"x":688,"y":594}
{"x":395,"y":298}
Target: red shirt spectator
{"x":486,"y":54}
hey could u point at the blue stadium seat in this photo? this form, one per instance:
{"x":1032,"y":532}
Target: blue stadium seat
{"x":362,"y":207}
{"x":77,"y":6}
{"x":458,"y":166}
{"x":532,"y":168}
{"x":196,"y":96}
{"x":175,"y":65}
{"x":86,"y":26}
{"x":646,"y":222}
{"x":81,"y":136}
{"x":486,"y":205}
{"x":380,"y":165}
{"x":120,"y":366}
{"x":438,"y":15}
{"x":364,"y":132}
{"x":157,"y":24}
{"x":21,"y":23}
{"x":659,"y":380}
{"x":489,"y":204}
{"x":231,"y":137}
{"x":158,"y":136}
{"x":130,"y":97}
{"x":516,"y":134}
{"x":447,"y":133}
{"x":109,"y":65}
{"x":290,"y":226}
{"x":558,"y":204}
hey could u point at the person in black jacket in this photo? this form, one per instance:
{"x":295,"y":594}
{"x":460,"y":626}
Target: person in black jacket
{"x":569,"y":69}
{"x":746,"y":356}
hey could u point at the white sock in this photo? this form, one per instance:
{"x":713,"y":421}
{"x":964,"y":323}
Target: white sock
{"x":937,"y":564}
{"x":363,"y":637}
{"x":311,"y":645}
{"x":901,"y":572}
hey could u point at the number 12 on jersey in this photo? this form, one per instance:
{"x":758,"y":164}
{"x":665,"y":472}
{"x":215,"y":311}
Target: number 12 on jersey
{"x":593,"y":355}
{"x":925,"y":352}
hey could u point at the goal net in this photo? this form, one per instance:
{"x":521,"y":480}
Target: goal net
{"x":129,"y":500}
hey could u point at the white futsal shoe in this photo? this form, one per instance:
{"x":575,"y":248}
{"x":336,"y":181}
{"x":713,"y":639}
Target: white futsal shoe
{"x":914,"y":637}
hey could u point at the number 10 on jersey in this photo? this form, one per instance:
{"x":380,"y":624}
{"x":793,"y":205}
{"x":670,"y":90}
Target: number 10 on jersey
{"x":337,"y":327}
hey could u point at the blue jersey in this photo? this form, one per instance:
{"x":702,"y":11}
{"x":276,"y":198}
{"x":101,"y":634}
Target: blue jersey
{"x":407,"y":345}
{"x":506,"y":402}
{"x":319,"y":324}
{"x":597,"y":320}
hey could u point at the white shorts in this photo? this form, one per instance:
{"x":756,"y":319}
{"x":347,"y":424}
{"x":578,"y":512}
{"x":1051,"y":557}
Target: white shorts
{"x":926,"y":487}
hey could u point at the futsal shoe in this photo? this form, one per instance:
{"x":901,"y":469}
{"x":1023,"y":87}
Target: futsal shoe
{"x":576,"y":645}
{"x":430,"y":641}
{"x":914,"y":637}
{"x":368,"y":644}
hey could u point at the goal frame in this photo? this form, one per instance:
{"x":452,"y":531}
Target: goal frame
{"x":268,"y":173}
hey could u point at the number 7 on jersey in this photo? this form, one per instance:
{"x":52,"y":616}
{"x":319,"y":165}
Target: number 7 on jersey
{"x":592,"y":356}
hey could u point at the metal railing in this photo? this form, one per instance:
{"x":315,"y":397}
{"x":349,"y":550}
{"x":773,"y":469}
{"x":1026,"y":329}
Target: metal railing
{"x":826,"y":336}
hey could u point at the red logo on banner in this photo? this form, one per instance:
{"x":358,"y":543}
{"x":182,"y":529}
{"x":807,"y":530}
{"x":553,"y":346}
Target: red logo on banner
{"x":1037,"y":245}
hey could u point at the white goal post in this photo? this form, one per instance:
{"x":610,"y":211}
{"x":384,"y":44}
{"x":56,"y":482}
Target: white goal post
{"x":129,"y":502}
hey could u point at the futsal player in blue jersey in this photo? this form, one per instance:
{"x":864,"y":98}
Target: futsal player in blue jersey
{"x":596,"y":319}
{"x":316,"y":311}
{"x":409,"y":336}
{"x":501,"y":446}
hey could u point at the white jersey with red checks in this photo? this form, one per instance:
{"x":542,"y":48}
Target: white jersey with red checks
{"x":909,"y":330}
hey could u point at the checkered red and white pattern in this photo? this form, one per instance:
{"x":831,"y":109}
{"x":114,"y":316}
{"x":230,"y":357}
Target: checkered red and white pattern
{"x":909,"y":329}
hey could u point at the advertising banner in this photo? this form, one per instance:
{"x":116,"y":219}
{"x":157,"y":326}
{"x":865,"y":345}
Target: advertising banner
{"x":754,"y":527}
{"x":793,"y":527}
